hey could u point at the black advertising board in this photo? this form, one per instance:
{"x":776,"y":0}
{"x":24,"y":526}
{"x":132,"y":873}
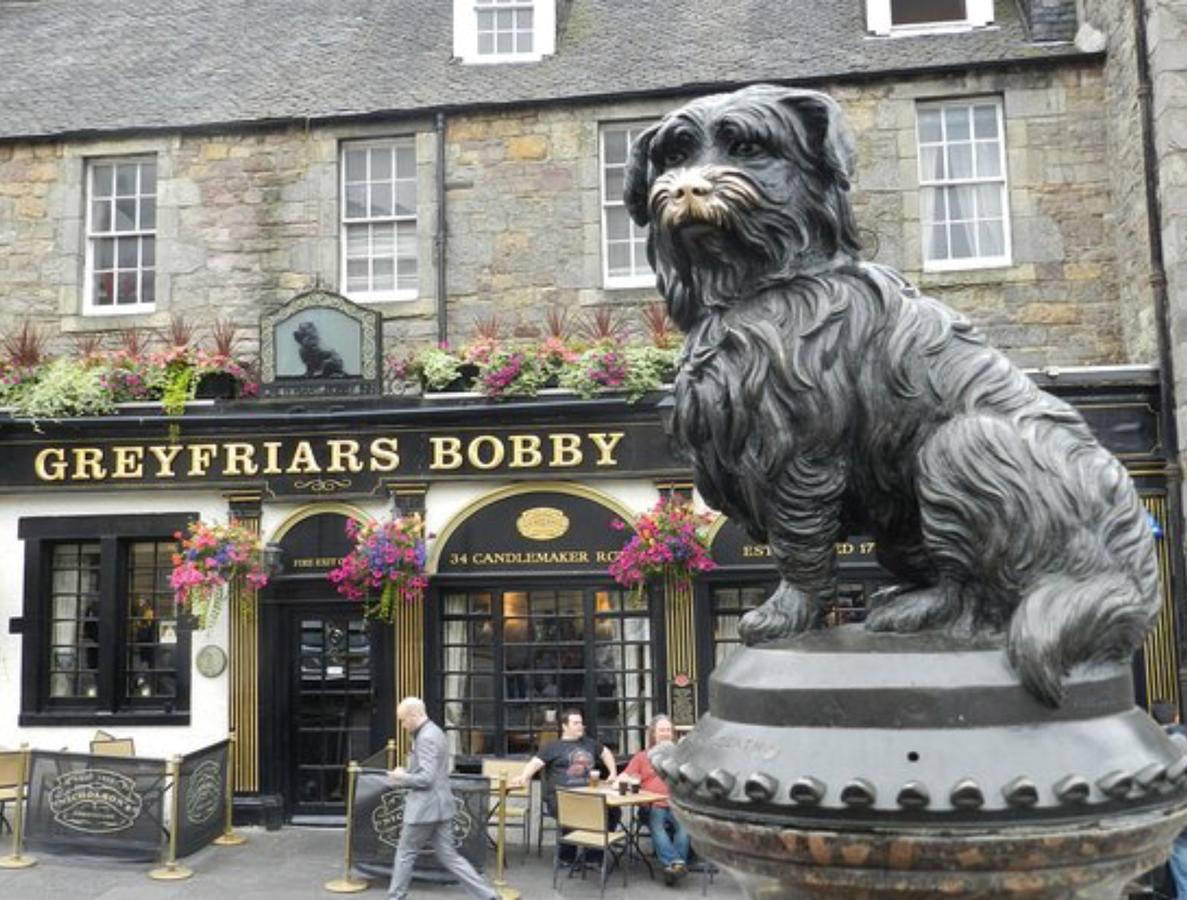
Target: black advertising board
{"x":201,"y":798}
{"x":353,"y":461}
{"x":534,"y":531}
{"x":379,"y":816}
{"x":86,"y":805}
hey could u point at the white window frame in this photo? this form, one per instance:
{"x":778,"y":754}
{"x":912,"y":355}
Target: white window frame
{"x":465,"y":31}
{"x":1002,"y":180}
{"x":636,"y":279}
{"x":978,"y":14}
{"x":345,"y":221}
{"x":90,"y":307}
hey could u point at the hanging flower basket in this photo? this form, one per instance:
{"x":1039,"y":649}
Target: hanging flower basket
{"x":668,"y":540}
{"x":386,"y":565}
{"x":208,"y":558}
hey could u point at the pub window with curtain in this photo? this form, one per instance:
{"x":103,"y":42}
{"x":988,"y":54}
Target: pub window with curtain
{"x":101,"y":636}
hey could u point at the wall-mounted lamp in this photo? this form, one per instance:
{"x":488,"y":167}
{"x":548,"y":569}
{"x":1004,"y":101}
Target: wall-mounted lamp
{"x":273,"y":559}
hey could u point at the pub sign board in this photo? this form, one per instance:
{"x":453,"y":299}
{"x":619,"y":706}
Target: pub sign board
{"x":354,"y":462}
{"x":319,"y":344}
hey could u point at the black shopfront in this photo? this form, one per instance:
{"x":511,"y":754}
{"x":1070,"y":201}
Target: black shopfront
{"x":520,"y":619}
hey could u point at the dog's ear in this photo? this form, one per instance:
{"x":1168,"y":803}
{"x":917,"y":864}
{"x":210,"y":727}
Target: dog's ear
{"x":828,"y":137}
{"x":637,"y":186}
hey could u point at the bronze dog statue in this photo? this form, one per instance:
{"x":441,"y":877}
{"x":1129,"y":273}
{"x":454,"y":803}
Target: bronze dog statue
{"x":819,"y":394}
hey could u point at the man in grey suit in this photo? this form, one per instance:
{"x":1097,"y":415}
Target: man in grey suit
{"x":428,"y":806}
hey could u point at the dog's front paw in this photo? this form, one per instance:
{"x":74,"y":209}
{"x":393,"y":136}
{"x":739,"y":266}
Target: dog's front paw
{"x":785,"y":613}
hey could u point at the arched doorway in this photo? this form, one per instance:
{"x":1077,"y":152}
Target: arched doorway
{"x":325,"y":684}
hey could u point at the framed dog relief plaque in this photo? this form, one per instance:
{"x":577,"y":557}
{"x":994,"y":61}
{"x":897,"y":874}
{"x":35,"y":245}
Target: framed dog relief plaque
{"x":320,"y":344}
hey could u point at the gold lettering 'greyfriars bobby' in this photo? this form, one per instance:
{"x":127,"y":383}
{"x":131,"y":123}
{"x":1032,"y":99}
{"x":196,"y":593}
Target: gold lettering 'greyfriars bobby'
{"x":821,"y":395}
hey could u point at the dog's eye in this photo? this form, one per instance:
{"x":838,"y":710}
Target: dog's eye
{"x":746,"y":149}
{"x":674,"y":157}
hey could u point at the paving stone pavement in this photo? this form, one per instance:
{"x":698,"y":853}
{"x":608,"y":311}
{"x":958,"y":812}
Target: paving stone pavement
{"x":295,"y":863}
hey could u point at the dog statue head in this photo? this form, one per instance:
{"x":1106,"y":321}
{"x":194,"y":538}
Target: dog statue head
{"x":306,"y":334}
{"x":740,"y":189}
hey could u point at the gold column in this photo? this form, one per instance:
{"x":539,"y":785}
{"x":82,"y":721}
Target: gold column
{"x":408,"y":631}
{"x":1160,"y":653}
{"x":244,"y":667}
{"x":681,"y":633}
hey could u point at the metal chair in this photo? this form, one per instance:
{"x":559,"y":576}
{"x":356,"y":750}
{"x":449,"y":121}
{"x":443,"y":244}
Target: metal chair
{"x":582,"y":823}
{"x":519,"y":800}
{"x":542,"y":813}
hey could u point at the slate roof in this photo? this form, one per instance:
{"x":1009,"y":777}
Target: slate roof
{"x":82,"y":66}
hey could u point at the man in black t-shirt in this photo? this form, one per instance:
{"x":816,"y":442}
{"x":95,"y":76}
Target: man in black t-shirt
{"x":569,"y":761}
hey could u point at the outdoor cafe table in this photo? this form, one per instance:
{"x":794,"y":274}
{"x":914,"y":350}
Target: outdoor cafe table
{"x":630,"y":800}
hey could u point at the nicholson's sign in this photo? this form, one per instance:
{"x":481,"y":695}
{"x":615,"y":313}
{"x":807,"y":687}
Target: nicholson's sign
{"x":356,"y":462}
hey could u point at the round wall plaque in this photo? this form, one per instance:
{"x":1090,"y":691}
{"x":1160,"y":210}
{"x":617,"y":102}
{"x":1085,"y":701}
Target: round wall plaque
{"x":211,"y":661}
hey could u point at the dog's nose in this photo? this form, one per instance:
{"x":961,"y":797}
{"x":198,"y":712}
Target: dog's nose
{"x":690,"y":185}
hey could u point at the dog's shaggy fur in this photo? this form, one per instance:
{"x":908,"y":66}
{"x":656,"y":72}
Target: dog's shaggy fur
{"x":819,"y":395}
{"x":320,"y":362}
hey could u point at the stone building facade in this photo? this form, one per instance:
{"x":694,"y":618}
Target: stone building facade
{"x":248,"y":217}
{"x":505,"y":205}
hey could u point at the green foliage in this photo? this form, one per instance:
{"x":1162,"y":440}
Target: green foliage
{"x":178,"y":388}
{"x":648,"y":368}
{"x":436,"y":367}
{"x":64,"y":389}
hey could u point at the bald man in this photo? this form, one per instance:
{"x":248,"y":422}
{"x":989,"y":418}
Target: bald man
{"x":429,"y":807}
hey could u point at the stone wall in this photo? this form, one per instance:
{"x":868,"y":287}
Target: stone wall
{"x":248,"y":218}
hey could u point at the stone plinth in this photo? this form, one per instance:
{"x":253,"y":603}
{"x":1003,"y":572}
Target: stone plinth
{"x":850,"y":764}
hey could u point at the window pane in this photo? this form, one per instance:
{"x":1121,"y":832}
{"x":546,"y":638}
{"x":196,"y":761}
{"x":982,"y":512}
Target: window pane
{"x":381,"y":200}
{"x":126,"y":177}
{"x":74,"y":636}
{"x":148,"y":251}
{"x":937,"y":242}
{"x":381,"y":164}
{"x":960,"y":161}
{"x":929,"y":126}
{"x":988,"y":159}
{"x":358,"y":242}
{"x":618,"y":224}
{"x":956,"y":123}
{"x":934,"y":207}
{"x":989,"y":201}
{"x":101,"y":180}
{"x":405,"y":198}
{"x":985,"y":121}
{"x":356,"y":201}
{"x":615,"y":179}
{"x":931,"y":163}
{"x":383,"y":238}
{"x":148,"y":290}
{"x":126,"y":284}
{"x":126,"y":252}
{"x":405,"y":162}
{"x":523,"y":42}
{"x":104,"y":253}
{"x":993,"y":238}
{"x":148,"y":213}
{"x":918,"y":12}
{"x":356,"y":165}
{"x":125,"y":214}
{"x":503,"y":42}
{"x":357,"y":275}
{"x":151,"y":629}
{"x":504,"y":20}
{"x":618,"y":259}
{"x":614,"y":143}
{"x":104,"y":289}
{"x":960,"y":203}
{"x":406,"y":241}
{"x":148,"y":178}
{"x":101,"y":216}
{"x":961,"y":236}
{"x":486,"y":42}
{"x":384,"y":275}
